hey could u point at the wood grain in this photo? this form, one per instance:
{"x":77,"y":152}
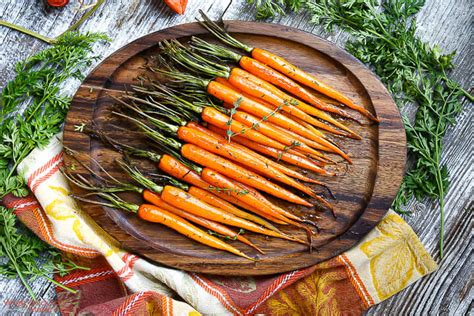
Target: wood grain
{"x":447,"y":23}
{"x":364,"y":193}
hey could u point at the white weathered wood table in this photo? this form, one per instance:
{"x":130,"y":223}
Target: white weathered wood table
{"x":447,"y":23}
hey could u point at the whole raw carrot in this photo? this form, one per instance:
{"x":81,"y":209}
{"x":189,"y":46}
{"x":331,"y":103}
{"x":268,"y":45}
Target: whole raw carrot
{"x":155,"y":199}
{"x":205,"y":158}
{"x":187,"y":202}
{"x":152,"y":213}
{"x":231,"y":152}
{"x":278,"y":154}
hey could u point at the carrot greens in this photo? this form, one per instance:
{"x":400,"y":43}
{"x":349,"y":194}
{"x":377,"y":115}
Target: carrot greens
{"x":384,"y":36}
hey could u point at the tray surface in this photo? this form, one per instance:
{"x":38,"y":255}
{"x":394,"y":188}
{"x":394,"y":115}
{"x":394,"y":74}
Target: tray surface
{"x":364,"y":193}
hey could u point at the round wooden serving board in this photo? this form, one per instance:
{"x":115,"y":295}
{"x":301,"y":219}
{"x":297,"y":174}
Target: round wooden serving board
{"x":363,"y":193}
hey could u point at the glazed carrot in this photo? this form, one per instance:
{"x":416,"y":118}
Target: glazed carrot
{"x":230,"y":96}
{"x":283,"y":66}
{"x":178,"y":170}
{"x":187,"y":202}
{"x":205,"y":158}
{"x":189,"y":174}
{"x":307,"y":79}
{"x":252,"y":197}
{"x":156,"y":200}
{"x":272,"y":152}
{"x":154,"y":214}
{"x":260,"y":88}
{"x":221,"y":136}
{"x":228,"y":168}
{"x":247,"y":83}
{"x":266,"y":73}
{"x":231,"y":152}
{"x":209,"y":199}
{"x":245,"y":125}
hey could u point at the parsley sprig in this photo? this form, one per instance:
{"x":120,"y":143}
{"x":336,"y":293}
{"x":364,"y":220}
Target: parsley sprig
{"x":384,"y":37}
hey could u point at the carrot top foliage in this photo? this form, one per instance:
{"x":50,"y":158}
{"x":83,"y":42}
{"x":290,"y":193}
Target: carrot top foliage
{"x":384,"y":37}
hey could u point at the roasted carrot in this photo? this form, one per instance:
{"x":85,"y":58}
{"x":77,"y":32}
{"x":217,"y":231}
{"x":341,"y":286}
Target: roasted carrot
{"x":152,"y":213}
{"x":178,"y":170}
{"x":156,"y":200}
{"x":155,"y":214}
{"x":251,"y":85}
{"x":231,"y":152}
{"x":189,"y":174}
{"x":283,"y":66}
{"x":203,"y":157}
{"x":278,"y":154}
{"x":228,"y":168}
{"x":307,"y":79}
{"x":187,"y":202}
{"x":230,"y":96}
{"x":252,"y":197}
{"x":285,"y":170}
{"x":266,"y":73}
{"x":241,"y":78}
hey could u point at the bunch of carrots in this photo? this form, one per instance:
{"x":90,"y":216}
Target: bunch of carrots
{"x":222,"y":134}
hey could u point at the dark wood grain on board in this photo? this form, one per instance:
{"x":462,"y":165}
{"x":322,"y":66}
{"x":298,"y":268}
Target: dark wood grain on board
{"x":363,"y":193}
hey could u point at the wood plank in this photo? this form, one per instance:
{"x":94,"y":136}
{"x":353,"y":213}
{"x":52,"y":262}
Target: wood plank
{"x":445,"y":22}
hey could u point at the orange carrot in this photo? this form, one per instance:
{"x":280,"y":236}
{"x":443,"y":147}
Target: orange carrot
{"x":214,"y":117}
{"x":205,"y":158}
{"x":283,"y":66}
{"x":278,"y":154}
{"x":231,"y":96}
{"x":188,"y":203}
{"x":271,"y":75}
{"x":221,"y":136}
{"x":152,"y":213}
{"x":266,"y":73}
{"x":266,"y":91}
{"x":176,"y":169}
{"x":155,"y":199}
{"x":231,"y":152}
{"x":178,"y":6}
{"x":307,"y":79}
{"x":251,"y":196}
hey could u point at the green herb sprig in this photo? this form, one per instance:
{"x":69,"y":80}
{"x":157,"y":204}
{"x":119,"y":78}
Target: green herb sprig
{"x":384,"y":37}
{"x":32,"y":110}
{"x":22,"y":250}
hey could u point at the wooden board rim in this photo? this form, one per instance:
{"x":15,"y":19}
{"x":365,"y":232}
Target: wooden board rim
{"x":377,"y":206}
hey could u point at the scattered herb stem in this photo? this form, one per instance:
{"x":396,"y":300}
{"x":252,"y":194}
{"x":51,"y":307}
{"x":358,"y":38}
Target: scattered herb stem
{"x":384,"y":37}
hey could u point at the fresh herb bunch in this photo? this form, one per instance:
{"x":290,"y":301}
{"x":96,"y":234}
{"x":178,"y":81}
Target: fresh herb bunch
{"x":384,"y":37}
{"x":272,"y":8}
{"x":32,"y":108}
{"x":22,"y":250}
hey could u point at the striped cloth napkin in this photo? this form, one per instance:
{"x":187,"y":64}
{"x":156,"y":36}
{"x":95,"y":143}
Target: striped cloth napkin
{"x":387,"y":260}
